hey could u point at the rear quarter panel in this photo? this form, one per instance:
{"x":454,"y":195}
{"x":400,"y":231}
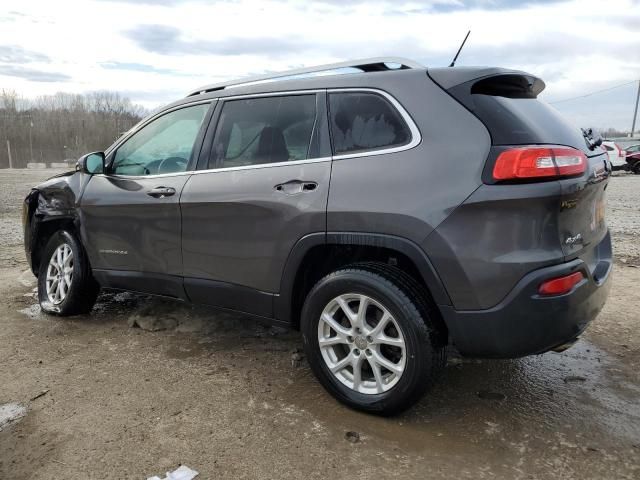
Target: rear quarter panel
{"x":408,"y":193}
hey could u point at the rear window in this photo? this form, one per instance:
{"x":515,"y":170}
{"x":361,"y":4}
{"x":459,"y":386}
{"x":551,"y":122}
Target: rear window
{"x":362,"y":122}
{"x":514,"y":121}
{"x":508,"y":107}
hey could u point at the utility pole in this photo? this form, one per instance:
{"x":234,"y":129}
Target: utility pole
{"x":635,"y":112}
{"x":9,"y":152}
{"x":30,"y":141}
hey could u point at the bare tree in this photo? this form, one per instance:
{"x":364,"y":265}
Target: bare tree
{"x":63,"y":126}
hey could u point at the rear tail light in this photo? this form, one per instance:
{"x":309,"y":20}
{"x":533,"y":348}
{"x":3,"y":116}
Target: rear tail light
{"x":560,"y":285}
{"x":539,"y":162}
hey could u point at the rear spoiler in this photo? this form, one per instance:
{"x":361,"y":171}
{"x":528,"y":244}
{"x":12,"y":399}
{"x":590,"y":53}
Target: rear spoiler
{"x":505,"y":102}
{"x":488,"y":81}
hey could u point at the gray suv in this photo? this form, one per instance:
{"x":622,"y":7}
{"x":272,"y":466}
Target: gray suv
{"x":384,"y":209}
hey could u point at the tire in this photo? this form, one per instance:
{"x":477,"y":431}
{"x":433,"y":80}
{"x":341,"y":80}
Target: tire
{"x":636,"y":168}
{"x":78,"y":289}
{"x":413,"y":322}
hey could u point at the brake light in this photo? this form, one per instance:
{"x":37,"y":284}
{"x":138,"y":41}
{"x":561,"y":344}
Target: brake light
{"x":560,"y":285}
{"x":539,"y":162}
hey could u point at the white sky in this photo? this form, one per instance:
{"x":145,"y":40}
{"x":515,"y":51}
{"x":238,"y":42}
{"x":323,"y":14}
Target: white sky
{"x":155,"y":51}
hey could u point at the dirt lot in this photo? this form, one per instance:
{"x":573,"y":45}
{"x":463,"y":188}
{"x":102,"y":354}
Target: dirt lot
{"x":231,"y":398}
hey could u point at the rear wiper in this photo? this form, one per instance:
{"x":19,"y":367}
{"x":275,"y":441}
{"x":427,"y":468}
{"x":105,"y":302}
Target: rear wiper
{"x":593,"y":137}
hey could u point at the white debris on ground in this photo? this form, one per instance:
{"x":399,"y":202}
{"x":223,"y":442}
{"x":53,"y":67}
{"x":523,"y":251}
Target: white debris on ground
{"x":181,"y":473}
{"x":11,"y":412}
{"x":33,"y":311}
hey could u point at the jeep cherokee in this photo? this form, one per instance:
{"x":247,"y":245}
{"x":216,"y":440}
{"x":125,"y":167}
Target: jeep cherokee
{"x":384,"y":209}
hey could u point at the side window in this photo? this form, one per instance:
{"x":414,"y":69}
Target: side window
{"x":264,"y":130}
{"x":163,"y":146}
{"x":362,"y":121}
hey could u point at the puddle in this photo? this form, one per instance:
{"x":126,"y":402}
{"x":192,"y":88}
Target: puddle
{"x":525,"y":398}
{"x":579,"y":392}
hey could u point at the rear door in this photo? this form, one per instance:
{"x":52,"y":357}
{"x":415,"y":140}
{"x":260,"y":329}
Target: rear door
{"x":131,"y":215}
{"x":262,"y":187}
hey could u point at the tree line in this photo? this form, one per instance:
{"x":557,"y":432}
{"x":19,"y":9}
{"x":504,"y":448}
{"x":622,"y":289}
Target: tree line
{"x":60,"y":127}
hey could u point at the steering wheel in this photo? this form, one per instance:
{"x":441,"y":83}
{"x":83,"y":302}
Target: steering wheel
{"x":175,"y":164}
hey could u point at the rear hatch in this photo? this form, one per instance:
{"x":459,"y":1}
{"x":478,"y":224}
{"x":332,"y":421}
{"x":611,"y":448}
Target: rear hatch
{"x":526,"y":129}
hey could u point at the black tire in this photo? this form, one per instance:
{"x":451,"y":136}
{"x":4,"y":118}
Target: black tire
{"x":413,"y":310}
{"x":636,"y":168}
{"x":82,"y":294}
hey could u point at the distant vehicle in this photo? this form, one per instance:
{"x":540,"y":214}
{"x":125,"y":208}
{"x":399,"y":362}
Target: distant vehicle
{"x":385,"y":214}
{"x":633,"y":159}
{"x":633,"y":149}
{"x":616,"y":155}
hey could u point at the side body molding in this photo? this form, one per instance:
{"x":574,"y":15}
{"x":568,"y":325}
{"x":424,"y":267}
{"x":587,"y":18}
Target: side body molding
{"x":283,"y":302}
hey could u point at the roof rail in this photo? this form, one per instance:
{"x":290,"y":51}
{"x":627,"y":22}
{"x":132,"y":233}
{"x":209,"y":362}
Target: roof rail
{"x":375,"y":64}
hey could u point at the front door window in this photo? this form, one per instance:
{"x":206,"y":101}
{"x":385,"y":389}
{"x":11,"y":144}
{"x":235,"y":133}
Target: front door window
{"x":163,"y":146}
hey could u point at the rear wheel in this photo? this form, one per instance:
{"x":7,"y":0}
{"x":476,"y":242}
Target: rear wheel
{"x":371,"y":339}
{"x":636,"y":168}
{"x":65,"y":284}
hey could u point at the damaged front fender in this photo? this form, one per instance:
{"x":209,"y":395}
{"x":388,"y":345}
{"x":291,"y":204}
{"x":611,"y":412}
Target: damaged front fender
{"x":48,"y":207}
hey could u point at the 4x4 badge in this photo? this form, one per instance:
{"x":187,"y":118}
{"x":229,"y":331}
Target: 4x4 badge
{"x":573,"y":240}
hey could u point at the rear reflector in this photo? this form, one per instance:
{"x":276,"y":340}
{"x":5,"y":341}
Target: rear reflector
{"x":537,"y":162}
{"x":560,"y":285}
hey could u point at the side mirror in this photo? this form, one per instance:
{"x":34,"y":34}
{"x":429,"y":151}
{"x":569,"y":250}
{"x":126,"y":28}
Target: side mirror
{"x":91,"y":163}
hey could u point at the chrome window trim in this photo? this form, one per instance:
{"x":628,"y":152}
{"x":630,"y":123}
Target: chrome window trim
{"x":214,"y":170}
{"x":416,"y":137}
{"x":263,"y":165}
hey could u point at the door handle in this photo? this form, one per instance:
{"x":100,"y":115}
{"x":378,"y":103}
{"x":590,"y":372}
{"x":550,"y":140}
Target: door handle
{"x":161,"y":192}
{"x":293,"y":187}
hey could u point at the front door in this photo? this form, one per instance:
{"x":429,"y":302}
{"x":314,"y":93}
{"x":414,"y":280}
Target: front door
{"x":131,"y":214}
{"x":265,"y":186}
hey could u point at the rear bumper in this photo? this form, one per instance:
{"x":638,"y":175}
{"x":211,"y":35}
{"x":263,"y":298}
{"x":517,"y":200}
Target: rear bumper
{"x":525,"y":323}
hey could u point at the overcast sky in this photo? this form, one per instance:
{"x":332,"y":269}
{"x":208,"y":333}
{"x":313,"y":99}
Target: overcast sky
{"x":155,"y":51}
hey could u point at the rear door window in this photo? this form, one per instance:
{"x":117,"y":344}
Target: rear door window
{"x":255,"y":131}
{"x":364,"y":121}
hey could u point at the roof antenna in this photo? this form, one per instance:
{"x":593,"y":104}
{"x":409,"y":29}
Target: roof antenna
{"x":453,"y":62}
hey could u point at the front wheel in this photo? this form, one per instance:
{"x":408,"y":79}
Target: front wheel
{"x":65,"y":284}
{"x":372,"y":339}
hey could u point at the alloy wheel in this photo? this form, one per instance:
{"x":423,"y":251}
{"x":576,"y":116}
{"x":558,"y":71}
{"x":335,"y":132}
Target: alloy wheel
{"x":361,"y":343}
{"x":60,"y":274}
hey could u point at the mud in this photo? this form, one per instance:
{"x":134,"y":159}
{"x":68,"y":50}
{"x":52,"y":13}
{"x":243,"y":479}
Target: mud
{"x":143,"y":384}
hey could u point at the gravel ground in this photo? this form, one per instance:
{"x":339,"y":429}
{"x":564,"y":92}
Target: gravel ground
{"x":623,"y":199}
{"x":95,"y":397}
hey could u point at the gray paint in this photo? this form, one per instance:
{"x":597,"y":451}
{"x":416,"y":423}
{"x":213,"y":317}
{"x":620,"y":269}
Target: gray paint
{"x":238,"y":228}
{"x":231,"y":233}
{"x":450,"y":77}
{"x":409,"y":193}
{"x":118,"y":216}
{"x":500,"y":233}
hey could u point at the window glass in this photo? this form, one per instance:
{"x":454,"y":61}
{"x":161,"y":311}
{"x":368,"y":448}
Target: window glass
{"x":264,"y":130}
{"x":365,"y":121}
{"x":163,"y":146}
